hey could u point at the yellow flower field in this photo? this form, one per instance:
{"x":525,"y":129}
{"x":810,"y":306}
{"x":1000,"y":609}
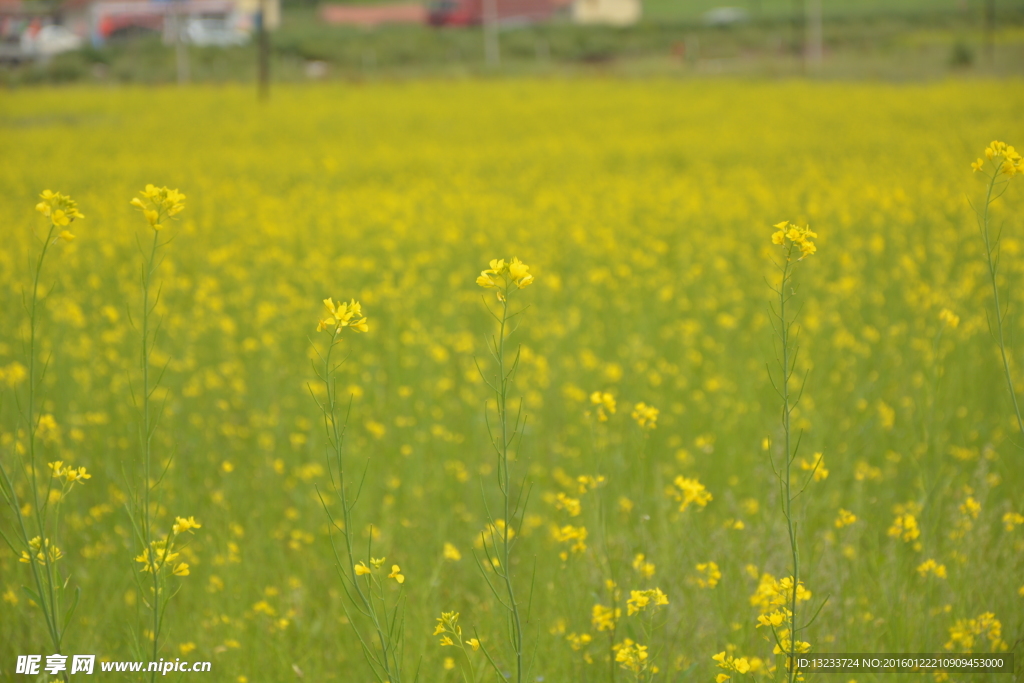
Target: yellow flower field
{"x":610,"y":512}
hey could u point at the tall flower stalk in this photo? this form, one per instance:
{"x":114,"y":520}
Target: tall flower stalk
{"x":506,"y":278}
{"x":796,"y":245}
{"x":34,"y":540}
{"x":157,"y":553}
{"x":364,"y":580}
{"x":1006,"y":163}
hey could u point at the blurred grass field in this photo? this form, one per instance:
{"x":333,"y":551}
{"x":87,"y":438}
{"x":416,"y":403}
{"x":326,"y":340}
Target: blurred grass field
{"x":644,"y":209}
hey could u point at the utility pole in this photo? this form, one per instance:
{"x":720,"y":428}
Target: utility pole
{"x":815,"y":51}
{"x":990,"y":30}
{"x":798,"y":28}
{"x":180,"y":48}
{"x":492,"y":50}
{"x":263,"y":52}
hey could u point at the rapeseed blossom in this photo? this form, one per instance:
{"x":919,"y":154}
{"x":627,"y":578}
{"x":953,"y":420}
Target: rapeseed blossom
{"x":61,"y":210}
{"x":791,"y":235}
{"x":688,"y":491}
{"x":158,"y":204}
{"x":646,"y":416}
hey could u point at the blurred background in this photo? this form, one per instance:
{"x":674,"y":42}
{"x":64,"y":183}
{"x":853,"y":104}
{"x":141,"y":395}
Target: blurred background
{"x":161,"y":41}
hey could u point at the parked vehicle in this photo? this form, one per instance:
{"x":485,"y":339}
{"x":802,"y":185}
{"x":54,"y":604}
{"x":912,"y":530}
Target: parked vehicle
{"x":471,"y":12}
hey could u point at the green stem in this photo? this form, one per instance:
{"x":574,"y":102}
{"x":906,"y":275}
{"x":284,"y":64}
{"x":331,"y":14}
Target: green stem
{"x":389,"y":653}
{"x":147,"y":445}
{"x":46,"y":589}
{"x":504,"y":484}
{"x":790,"y":457}
{"x":992,"y":271}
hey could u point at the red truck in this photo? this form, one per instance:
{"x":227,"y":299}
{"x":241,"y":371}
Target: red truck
{"x":471,"y":12}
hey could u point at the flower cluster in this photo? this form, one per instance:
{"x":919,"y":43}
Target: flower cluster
{"x":161,"y":554}
{"x":42,"y":551}
{"x":708,"y":575}
{"x":792,"y":235}
{"x":689,"y":491}
{"x":740,"y":665}
{"x":631,"y":656}
{"x":949,"y":318}
{"x":448,"y":627}
{"x":642,"y":566}
{"x":965,"y":632}
{"x":605,"y":403}
{"x":1011,"y":162}
{"x":1012,"y":520}
{"x":343,"y":315}
{"x":61,"y":210}
{"x":639,"y":600}
{"x":577,"y":535}
{"x":930,"y":566}
{"x":158,"y":204}
{"x":604,"y":618}
{"x":646,"y":416}
{"x":816,"y":465}
{"x":904,"y":526}
{"x":70,"y":475}
{"x":502,"y":274}
{"x":361,"y":569}
{"x":772,"y":593}
{"x":845,"y":518}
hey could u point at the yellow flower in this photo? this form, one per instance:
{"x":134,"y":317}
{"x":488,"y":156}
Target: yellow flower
{"x":710,"y":575}
{"x":631,"y":656}
{"x":845,"y":518}
{"x":395,"y":574}
{"x":930,"y":566}
{"x":640,"y":564}
{"x":605,"y":403}
{"x":520,"y":272}
{"x":905,"y":527}
{"x":42,"y":551}
{"x":976,"y":165}
{"x":452,"y":553}
{"x":60,"y":209}
{"x":181,"y":524}
{"x":818,"y":465}
{"x":604,"y":618}
{"x":362,"y":569}
{"x":774,"y":619}
{"x":949,"y":317}
{"x":689,"y":491}
{"x":343,"y":315}
{"x":646,"y":416}
{"x":180,"y":569}
{"x":473,"y":643}
{"x":515,"y":272}
{"x":158,"y":203}
{"x":1011,"y":520}
{"x":377,"y":562}
{"x":799,"y":237}
{"x":73,"y":475}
